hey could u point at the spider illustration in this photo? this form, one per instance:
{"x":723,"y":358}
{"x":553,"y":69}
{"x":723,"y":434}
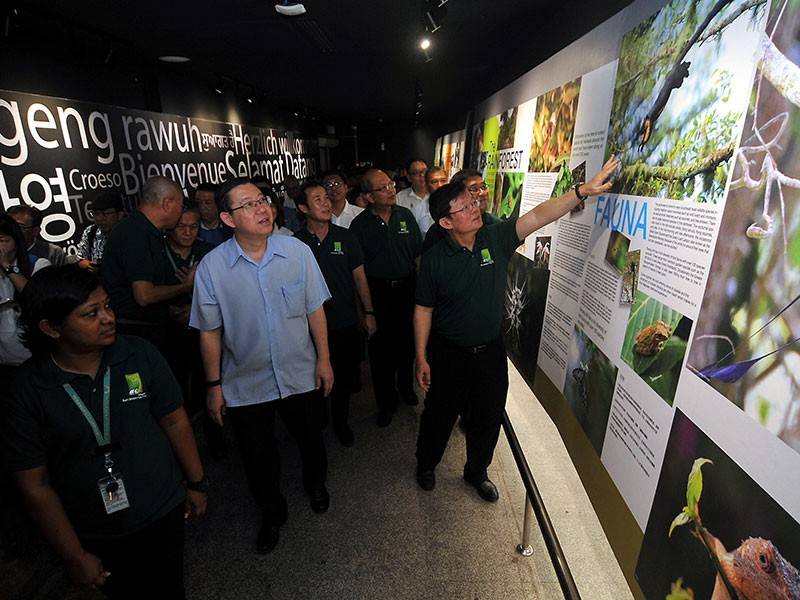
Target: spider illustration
{"x":516,"y":301}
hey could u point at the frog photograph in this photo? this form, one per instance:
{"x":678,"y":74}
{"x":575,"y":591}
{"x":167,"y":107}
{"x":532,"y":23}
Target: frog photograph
{"x":655,"y":343}
{"x":589,"y":386}
{"x":680,"y":93}
{"x":745,"y":345}
{"x":714,"y":533}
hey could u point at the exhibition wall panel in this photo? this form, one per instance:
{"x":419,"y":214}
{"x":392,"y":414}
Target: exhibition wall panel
{"x":658,"y":323}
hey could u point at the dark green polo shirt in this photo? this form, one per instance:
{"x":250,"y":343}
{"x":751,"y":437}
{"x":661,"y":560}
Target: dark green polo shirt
{"x":436,"y":233}
{"x":338,"y":255}
{"x":41,"y":426}
{"x":390,"y":250}
{"x":199,"y":250}
{"x":467,"y":288}
{"x":135,"y":252}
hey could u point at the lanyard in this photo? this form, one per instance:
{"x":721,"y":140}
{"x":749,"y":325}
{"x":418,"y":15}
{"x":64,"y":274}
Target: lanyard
{"x":104,"y":438}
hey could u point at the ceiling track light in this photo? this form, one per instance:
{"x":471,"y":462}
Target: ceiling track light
{"x":425,"y":43}
{"x":428,"y":57}
{"x":434,"y":25}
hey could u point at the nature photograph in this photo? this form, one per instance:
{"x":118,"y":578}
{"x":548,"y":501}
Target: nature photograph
{"x":655,"y":343}
{"x":714,"y":533}
{"x":589,"y":386}
{"x":541,"y":252}
{"x":526,"y":297}
{"x":508,"y":127}
{"x":508,"y":189}
{"x":554,"y":127}
{"x":746,"y":344}
{"x":630,"y":277}
{"x":617,"y":250}
{"x":681,"y":92}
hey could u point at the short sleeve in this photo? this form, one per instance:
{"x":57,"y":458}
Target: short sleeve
{"x":40,"y":264}
{"x":83,"y":246}
{"x":424,"y":219}
{"x":138,"y":262}
{"x":165,"y":393}
{"x":206,"y":313}
{"x":356,"y":254}
{"x":426,"y":286}
{"x":316,"y":289}
{"x":22,"y":439}
{"x":505,"y":233}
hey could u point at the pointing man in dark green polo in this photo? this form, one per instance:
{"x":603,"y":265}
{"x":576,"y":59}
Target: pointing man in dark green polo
{"x":461,"y":360}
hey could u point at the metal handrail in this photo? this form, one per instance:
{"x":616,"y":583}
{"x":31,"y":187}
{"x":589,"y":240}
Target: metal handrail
{"x":568,"y":587}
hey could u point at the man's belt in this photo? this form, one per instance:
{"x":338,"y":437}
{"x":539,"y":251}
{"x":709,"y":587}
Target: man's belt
{"x":392,"y":283}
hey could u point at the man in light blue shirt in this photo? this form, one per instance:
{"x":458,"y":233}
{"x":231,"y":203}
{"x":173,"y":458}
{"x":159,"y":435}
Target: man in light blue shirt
{"x":258,"y":304}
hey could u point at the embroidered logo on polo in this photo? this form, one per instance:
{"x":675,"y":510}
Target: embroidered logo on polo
{"x":403,"y":227}
{"x":337,"y":248}
{"x":486,"y":257}
{"x":135,"y":387}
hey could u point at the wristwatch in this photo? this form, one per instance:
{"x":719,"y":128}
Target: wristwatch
{"x":12,"y":270}
{"x":199,"y":486}
{"x":578,"y":193}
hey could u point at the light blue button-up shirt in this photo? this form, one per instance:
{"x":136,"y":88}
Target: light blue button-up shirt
{"x":263,"y":308}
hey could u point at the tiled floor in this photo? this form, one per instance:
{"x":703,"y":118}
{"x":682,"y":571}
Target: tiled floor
{"x":383,"y":537}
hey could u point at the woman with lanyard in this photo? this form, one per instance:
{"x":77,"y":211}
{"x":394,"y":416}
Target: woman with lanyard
{"x":98,"y":442}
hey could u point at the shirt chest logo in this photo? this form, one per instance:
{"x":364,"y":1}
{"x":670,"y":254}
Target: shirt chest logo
{"x":337,"y":248}
{"x":403,"y":227}
{"x":135,"y":387}
{"x":486,"y":257}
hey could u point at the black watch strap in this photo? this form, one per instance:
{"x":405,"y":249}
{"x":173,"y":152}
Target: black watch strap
{"x":198,"y":486}
{"x":215,"y":383}
{"x":577,"y":189}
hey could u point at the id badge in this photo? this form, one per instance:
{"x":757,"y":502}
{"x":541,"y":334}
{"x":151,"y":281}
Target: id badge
{"x":112,"y":491}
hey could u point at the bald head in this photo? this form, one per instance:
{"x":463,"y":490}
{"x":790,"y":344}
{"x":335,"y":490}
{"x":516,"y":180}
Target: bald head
{"x":158,"y":188}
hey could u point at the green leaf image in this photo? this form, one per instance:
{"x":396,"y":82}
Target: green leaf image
{"x":694,"y":487}
{"x":678,"y":592}
{"x":682,"y":519}
{"x":763,"y":408}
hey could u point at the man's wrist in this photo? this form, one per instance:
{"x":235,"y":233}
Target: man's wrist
{"x":213,"y":383}
{"x":201,"y":485}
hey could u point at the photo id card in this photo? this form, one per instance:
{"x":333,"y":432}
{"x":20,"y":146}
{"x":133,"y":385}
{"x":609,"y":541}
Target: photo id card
{"x":112,"y":491}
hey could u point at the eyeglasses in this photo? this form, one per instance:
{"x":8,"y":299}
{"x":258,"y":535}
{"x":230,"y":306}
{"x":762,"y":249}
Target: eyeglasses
{"x":478,"y":189}
{"x":384,"y":188}
{"x":252,"y":205}
{"x":415,"y":173}
{"x":471,"y":204}
{"x":332,"y":185}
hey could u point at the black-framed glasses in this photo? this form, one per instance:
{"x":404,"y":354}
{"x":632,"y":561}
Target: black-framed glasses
{"x":332,"y":185}
{"x":385,"y":187}
{"x":108,"y":212}
{"x":468,"y":206}
{"x":478,"y":189}
{"x":252,"y":205}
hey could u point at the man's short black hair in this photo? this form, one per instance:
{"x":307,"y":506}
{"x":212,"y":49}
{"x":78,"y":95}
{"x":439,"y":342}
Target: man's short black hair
{"x":106,"y":200}
{"x":206,"y":187}
{"x":465,"y":174}
{"x":332,"y":173}
{"x":412,"y":161}
{"x":440,"y":200}
{"x":224,"y":191}
{"x":23,"y":209}
{"x":301,"y":197}
{"x":52,"y":294}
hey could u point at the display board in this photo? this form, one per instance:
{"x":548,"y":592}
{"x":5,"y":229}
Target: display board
{"x":57,"y":154}
{"x":664,"y":315}
{"x":449,"y":152}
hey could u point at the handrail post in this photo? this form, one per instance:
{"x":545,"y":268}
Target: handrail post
{"x":565,"y":580}
{"x":525,"y":547}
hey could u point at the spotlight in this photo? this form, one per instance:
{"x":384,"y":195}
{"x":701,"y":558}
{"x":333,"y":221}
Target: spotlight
{"x":249,"y":99}
{"x":174,"y":59}
{"x":425,"y":43}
